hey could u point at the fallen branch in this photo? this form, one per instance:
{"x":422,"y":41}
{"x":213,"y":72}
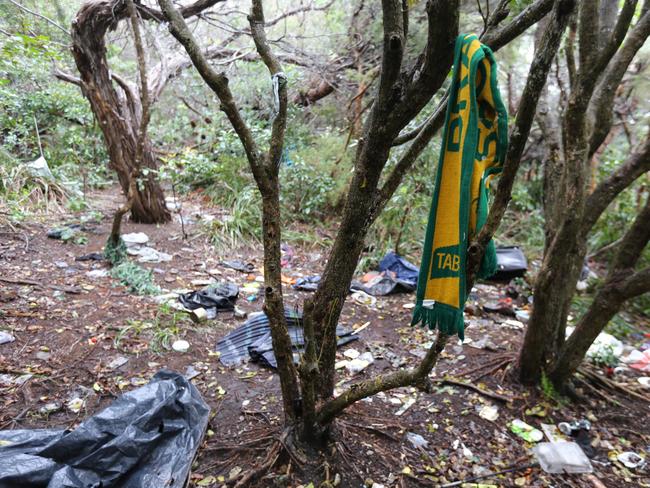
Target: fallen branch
{"x":66,"y":289}
{"x":613,"y":385}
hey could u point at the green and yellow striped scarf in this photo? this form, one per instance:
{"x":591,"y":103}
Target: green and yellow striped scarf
{"x":473,"y":150}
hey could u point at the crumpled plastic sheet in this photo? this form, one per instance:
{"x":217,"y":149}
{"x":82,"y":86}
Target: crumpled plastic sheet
{"x":213,"y":299}
{"x":511,"y":263}
{"x":253,"y":340}
{"x":147,"y":438}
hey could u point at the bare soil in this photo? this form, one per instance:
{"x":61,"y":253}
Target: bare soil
{"x":67,"y":340}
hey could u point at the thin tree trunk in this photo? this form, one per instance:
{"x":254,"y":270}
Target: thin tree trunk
{"x":622,"y":283}
{"x":118,"y":117}
{"x":566,"y":247}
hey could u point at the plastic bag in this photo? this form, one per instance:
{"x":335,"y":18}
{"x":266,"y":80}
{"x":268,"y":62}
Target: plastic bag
{"x":147,"y":438}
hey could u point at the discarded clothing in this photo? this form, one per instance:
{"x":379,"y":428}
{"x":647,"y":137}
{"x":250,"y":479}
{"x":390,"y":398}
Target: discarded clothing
{"x":146,"y":438}
{"x":93,"y":256}
{"x":216,"y":298}
{"x":475,"y":139}
{"x":67,"y":232}
{"x":386,"y":283}
{"x":511,"y":263}
{"x":405,"y":272}
{"x":308,"y":283}
{"x":239,"y":266}
{"x":253,"y":340}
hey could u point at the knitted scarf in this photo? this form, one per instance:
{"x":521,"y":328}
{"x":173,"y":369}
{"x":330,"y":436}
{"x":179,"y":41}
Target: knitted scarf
{"x":473,"y":150}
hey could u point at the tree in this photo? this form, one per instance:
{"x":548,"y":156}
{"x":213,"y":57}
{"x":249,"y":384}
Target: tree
{"x":570,"y":211}
{"x":404,"y":89}
{"x":119,"y":108}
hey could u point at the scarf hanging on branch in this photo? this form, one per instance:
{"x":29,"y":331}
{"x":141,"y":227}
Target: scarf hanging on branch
{"x":473,"y":150}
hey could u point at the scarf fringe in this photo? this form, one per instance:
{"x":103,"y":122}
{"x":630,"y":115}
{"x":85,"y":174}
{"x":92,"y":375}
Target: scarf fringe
{"x":446,"y":319}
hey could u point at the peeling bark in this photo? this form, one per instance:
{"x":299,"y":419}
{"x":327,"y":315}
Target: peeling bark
{"x":118,"y":116}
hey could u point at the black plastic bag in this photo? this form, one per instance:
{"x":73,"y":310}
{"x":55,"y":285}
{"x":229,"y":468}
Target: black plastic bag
{"x":511,"y":263}
{"x":221,"y":297}
{"x":147,"y":438}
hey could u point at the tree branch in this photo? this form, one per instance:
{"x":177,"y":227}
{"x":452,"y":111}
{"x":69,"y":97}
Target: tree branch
{"x":616,"y":39}
{"x":392,"y":52}
{"x":535,"y":82}
{"x":218,"y":83}
{"x":417,"y":376}
{"x":637,"y":284}
{"x":587,"y":35}
{"x":196,"y":8}
{"x":600,"y":107}
{"x":496,"y":38}
{"x":636,"y":165}
{"x":67,"y":77}
{"x":256,"y":20}
{"x":40,"y":16}
{"x":634,"y":241}
{"x":144,"y":88}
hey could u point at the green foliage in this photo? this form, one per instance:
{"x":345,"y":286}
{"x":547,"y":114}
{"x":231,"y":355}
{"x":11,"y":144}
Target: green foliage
{"x":306,"y":191}
{"x":243,"y":224}
{"x":31,"y":99}
{"x":549,"y":391}
{"x":137,"y":279}
{"x":115,"y":254}
{"x":159,"y":333}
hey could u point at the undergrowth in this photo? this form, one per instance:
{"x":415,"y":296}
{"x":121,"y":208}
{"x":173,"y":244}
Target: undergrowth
{"x":137,"y":279}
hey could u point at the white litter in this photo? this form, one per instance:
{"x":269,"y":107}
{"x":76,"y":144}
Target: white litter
{"x":416,"y":440}
{"x":181,"y":346}
{"x":562,"y":457}
{"x":6,"y":337}
{"x":135,"y":239}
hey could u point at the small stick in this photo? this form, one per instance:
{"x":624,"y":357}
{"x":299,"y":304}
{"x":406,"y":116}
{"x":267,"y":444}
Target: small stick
{"x":489,"y":394}
{"x":67,"y":289}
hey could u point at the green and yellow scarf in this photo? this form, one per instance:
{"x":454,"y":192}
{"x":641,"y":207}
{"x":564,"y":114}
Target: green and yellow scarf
{"x":474,"y":144}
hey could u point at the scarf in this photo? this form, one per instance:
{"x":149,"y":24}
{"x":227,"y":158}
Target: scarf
{"x":473,"y":150}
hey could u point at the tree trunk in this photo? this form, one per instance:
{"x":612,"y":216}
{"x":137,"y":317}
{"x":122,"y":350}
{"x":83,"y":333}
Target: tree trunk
{"x":118,"y":116}
{"x":567,"y":212}
{"x":622,"y":283}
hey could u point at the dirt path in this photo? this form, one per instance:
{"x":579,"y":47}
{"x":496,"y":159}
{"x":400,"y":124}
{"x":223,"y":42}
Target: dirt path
{"x":68,"y":346}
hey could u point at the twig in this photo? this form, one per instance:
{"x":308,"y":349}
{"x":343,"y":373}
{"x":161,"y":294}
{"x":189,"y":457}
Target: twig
{"x":621,"y":388}
{"x":66,"y":289}
{"x":371,"y":429}
{"x":267,"y":464}
{"x":36,"y":14}
{"x":489,"y":394}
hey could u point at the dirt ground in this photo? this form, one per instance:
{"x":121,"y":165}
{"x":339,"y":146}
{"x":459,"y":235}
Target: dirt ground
{"x":65,"y":343}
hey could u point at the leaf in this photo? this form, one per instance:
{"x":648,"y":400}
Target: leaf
{"x":207,"y":481}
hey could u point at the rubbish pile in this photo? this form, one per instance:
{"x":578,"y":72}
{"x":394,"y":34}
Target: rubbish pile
{"x":136,"y":245}
{"x":206,"y":303}
{"x":147,"y":438}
